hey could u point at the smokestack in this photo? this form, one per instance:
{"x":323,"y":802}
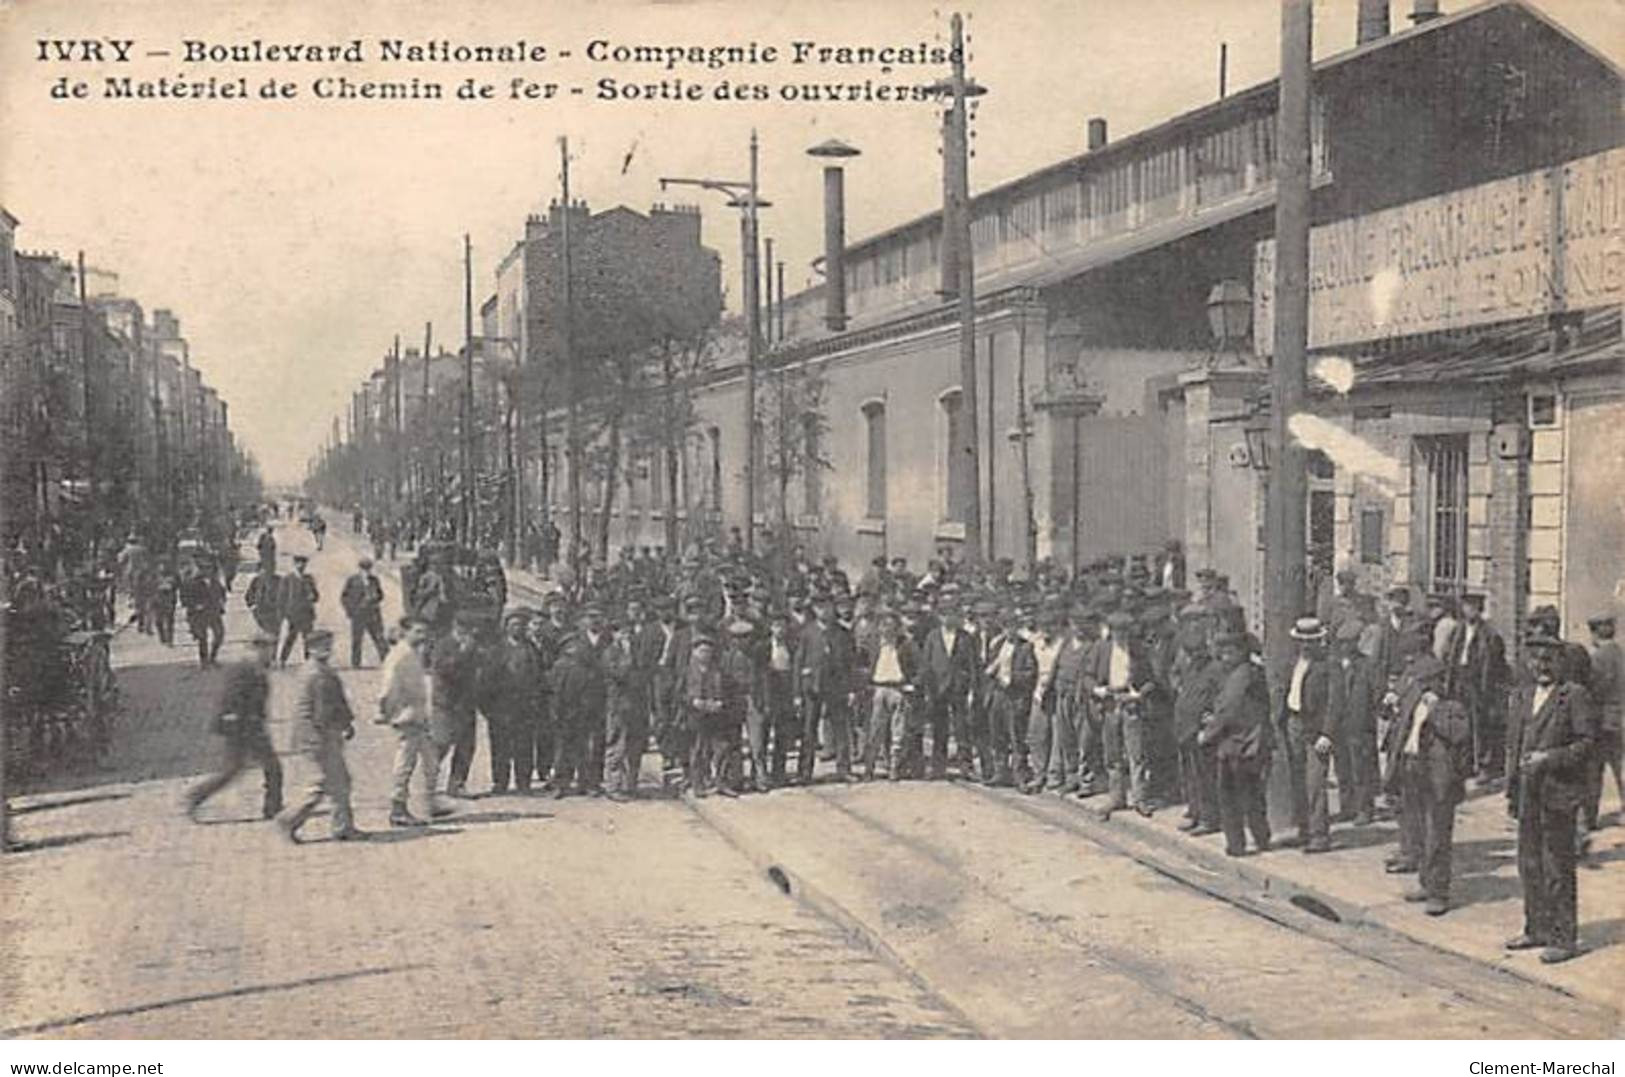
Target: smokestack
{"x":1097,"y":132}
{"x":1373,"y":21}
{"x":1424,"y":10}
{"x":833,"y":152}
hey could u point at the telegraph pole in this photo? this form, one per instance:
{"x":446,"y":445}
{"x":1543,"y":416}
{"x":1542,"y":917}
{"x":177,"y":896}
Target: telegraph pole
{"x":956,"y":220}
{"x":572,"y":432}
{"x":1284,"y":552}
{"x":90,"y":424}
{"x":466,"y":443}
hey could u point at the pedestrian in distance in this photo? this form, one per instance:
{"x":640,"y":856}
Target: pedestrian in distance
{"x":299,"y":598}
{"x":363,"y":600}
{"x":322,"y":723}
{"x":205,"y":602}
{"x":240,"y":722}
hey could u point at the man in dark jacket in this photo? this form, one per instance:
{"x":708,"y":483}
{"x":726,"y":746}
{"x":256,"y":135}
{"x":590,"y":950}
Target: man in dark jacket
{"x":1356,"y":693}
{"x":1199,"y":684}
{"x":1308,"y":728}
{"x":948,"y":676}
{"x":1237,"y":731}
{"x":205,"y":602}
{"x":1429,"y":756}
{"x":241,"y":723}
{"x":455,"y":677}
{"x":823,"y":687}
{"x":1478,"y":675}
{"x":299,"y":598}
{"x":264,"y":598}
{"x":322,"y":723}
{"x":1550,"y":737}
{"x":363,"y":600}
{"x":580,"y":693}
{"x":513,"y":677}
{"x":1011,"y":675}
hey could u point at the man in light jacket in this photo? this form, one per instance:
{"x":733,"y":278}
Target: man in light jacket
{"x":403,"y":705}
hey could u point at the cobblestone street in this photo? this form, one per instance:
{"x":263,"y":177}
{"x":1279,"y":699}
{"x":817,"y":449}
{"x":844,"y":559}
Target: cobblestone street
{"x":921,"y":910}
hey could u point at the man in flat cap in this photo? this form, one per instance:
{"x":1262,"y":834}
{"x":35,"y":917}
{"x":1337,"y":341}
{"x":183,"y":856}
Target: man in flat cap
{"x":1237,"y":732}
{"x":513,"y":676}
{"x":823,"y":688}
{"x":322,"y":723}
{"x":1429,"y":756}
{"x":1120,"y":677}
{"x":455,"y":680}
{"x":363,"y":601}
{"x":1551,"y":733}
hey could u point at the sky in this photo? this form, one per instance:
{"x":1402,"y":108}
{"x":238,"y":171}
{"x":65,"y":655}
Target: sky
{"x":294,"y":240}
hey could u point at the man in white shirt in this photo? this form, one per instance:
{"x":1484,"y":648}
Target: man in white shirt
{"x":891,"y":680}
{"x":404,"y":705}
{"x":1047,"y":643}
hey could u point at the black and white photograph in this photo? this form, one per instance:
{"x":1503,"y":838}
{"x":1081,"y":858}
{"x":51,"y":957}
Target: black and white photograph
{"x":716,"y":520}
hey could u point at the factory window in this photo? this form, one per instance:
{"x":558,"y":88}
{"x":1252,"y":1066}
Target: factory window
{"x":874,"y":424}
{"x":1373,"y":540}
{"x":1446,"y":492}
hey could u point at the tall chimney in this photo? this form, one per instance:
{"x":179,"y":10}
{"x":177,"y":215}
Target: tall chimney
{"x":1097,"y":132}
{"x":1373,"y":21}
{"x":1424,"y":10}
{"x":833,"y":152}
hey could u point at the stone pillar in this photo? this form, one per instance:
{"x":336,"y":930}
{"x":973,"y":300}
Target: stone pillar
{"x":1210,"y":396}
{"x":1060,"y":414}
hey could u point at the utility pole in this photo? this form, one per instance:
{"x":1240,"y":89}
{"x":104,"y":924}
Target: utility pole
{"x":90,"y":424}
{"x":746,"y":197}
{"x":427,"y":421}
{"x":466,"y":443}
{"x":572,"y":432}
{"x":956,"y":219}
{"x":393,"y":381}
{"x":1284,"y":552}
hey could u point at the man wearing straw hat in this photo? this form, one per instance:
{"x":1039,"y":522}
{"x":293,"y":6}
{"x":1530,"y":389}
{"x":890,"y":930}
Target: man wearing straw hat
{"x":1309,"y":727}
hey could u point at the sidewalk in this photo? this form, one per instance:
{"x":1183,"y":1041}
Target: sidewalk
{"x":1486,"y":896}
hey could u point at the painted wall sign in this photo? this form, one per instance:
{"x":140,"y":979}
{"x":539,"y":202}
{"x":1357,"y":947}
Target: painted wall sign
{"x":1479,"y":255}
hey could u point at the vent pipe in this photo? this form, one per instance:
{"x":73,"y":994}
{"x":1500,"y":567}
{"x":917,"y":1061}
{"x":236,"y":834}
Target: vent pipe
{"x":834,"y":152}
{"x":1097,"y":132}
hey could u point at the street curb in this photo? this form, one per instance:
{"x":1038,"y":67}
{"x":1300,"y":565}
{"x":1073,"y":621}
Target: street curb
{"x":1271,"y":884}
{"x":826,"y":908}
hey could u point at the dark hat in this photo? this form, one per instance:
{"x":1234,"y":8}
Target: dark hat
{"x":366,"y":562}
{"x":520,"y":615}
{"x":1347,"y":574}
{"x":1474,"y":599}
{"x":1541,"y":641}
{"x":1399,"y":593}
{"x":1544,"y":614}
{"x":301,"y":559}
{"x":1206,"y":574}
{"x":1602,"y":620}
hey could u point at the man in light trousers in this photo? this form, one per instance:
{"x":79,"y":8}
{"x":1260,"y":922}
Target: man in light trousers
{"x":403,"y":705}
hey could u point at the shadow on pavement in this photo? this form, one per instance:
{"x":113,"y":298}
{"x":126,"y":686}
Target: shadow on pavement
{"x":492,"y":817}
{"x":59,"y":841}
{"x":1601,"y":934}
{"x":67,"y":802}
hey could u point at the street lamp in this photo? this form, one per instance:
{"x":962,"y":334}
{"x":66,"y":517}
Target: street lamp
{"x":1229,"y":316}
{"x":744,"y":196}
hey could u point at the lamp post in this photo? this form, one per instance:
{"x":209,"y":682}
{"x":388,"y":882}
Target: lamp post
{"x":1230,"y":317}
{"x":746,"y":197}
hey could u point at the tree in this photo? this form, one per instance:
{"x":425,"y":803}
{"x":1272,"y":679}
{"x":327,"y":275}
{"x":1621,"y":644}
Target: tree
{"x":794,"y":438}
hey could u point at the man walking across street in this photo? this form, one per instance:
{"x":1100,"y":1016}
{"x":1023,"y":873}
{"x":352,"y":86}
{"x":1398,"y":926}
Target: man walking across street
{"x":205,"y":602}
{"x":264,"y":600}
{"x":403,"y":705}
{"x":363,"y":599}
{"x":299,"y":598}
{"x":322,"y":723}
{"x":240,"y":722}
{"x":1550,"y":737}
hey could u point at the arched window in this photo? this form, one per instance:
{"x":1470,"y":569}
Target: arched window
{"x":874,"y":423}
{"x":952,"y":473}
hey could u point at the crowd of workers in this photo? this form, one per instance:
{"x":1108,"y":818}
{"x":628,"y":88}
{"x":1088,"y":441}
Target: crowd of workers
{"x":749,"y":673}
